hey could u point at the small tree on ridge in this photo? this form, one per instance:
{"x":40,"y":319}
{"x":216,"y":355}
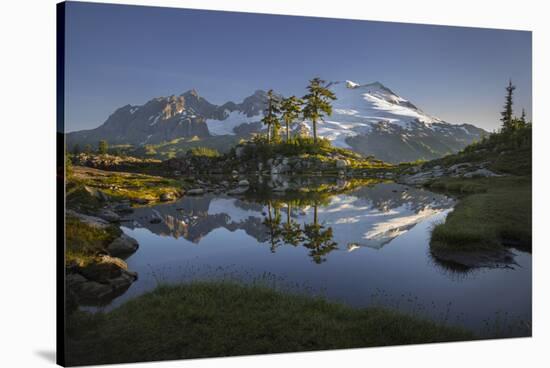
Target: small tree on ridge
{"x":102,"y":146}
{"x":507,"y":114}
{"x":317,"y":103}
{"x":291,"y":109}
{"x":270,"y":118}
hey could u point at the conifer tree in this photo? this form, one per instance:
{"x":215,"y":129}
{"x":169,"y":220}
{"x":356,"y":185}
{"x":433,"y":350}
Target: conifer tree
{"x":317,"y":103}
{"x":522,"y":119}
{"x":291,"y":109}
{"x":507,"y":118}
{"x":270,"y":117}
{"x":102,"y":146}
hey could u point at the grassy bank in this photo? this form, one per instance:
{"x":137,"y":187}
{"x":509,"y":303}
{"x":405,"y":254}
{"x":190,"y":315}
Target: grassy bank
{"x":121,"y":185}
{"x":84,"y":241}
{"x":306,"y":148}
{"x":220,"y":319}
{"x":492,"y":213}
{"x":505,"y":153}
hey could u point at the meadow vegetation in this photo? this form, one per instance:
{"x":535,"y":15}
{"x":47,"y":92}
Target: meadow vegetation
{"x":493,"y":212}
{"x":508,"y":152}
{"x":118,"y":186}
{"x":213,"y":319}
{"x":303,"y":147}
{"x":179,"y":147}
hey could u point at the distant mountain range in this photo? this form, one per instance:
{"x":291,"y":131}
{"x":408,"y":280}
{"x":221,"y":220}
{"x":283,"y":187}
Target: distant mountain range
{"x":369,"y":118}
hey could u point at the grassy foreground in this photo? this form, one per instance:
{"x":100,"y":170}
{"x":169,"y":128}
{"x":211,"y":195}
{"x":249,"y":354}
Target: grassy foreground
{"x":496,"y":212}
{"x":211,"y":319}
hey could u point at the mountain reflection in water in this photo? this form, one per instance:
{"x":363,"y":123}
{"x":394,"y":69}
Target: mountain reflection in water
{"x":369,"y":216}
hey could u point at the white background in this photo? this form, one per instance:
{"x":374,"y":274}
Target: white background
{"x":27,"y":179}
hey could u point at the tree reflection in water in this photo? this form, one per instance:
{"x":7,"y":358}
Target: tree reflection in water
{"x":318,"y":240}
{"x":273,"y":224}
{"x":291,"y":230}
{"x":313,"y":236}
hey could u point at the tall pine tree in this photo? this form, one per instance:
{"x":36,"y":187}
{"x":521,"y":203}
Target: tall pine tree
{"x":507,"y":118}
{"x":270,"y":117}
{"x":317,"y":103}
{"x":291,"y":109}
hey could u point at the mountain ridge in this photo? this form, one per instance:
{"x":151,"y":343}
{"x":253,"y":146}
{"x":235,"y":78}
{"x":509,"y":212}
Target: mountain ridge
{"x":368,"y":118}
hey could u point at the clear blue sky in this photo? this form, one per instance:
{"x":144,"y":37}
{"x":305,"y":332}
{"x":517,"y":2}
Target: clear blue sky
{"x":118,"y":55}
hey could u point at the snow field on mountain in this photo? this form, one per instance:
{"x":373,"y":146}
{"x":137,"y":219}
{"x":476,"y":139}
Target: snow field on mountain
{"x":233,"y":120}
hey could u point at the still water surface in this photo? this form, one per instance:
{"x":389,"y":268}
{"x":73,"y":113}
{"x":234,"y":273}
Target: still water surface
{"x":369,"y":246}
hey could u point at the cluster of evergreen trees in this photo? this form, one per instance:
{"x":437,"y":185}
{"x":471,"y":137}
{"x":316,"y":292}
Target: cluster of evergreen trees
{"x":509,"y":121}
{"x":102,"y":148}
{"x":313,"y":106}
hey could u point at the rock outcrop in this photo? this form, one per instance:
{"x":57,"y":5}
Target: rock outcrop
{"x":420,"y":175}
{"x":122,"y":246}
{"x":99,"y":282}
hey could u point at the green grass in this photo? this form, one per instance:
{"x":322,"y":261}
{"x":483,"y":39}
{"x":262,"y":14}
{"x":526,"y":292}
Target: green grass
{"x":79,"y":199}
{"x":492,"y":213}
{"x":83,"y":241}
{"x":295,"y":147}
{"x":306,"y":148}
{"x":211,"y":319}
{"x":460,"y":186}
{"x":179,"y":147}
{"x":507,"y":153}
{"x":204,"y":152}
{"x":121,"y":185}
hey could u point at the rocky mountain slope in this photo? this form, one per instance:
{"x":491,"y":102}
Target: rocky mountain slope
{"x":163,"y":119}
{"x":370,"y":119}
{"x":373,"y":120}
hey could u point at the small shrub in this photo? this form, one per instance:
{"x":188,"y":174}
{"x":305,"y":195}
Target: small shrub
{"x":68,"y":166}
{"x":293,"y":147}
{"x":102,"y":147}
{"x":150,"y":150}
{"x":203,"y":152}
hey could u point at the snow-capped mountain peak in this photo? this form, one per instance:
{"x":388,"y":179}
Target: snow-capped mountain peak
{"x":368,"y":118}
{"x":374,"y":103}
{"x":352,"y":84}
